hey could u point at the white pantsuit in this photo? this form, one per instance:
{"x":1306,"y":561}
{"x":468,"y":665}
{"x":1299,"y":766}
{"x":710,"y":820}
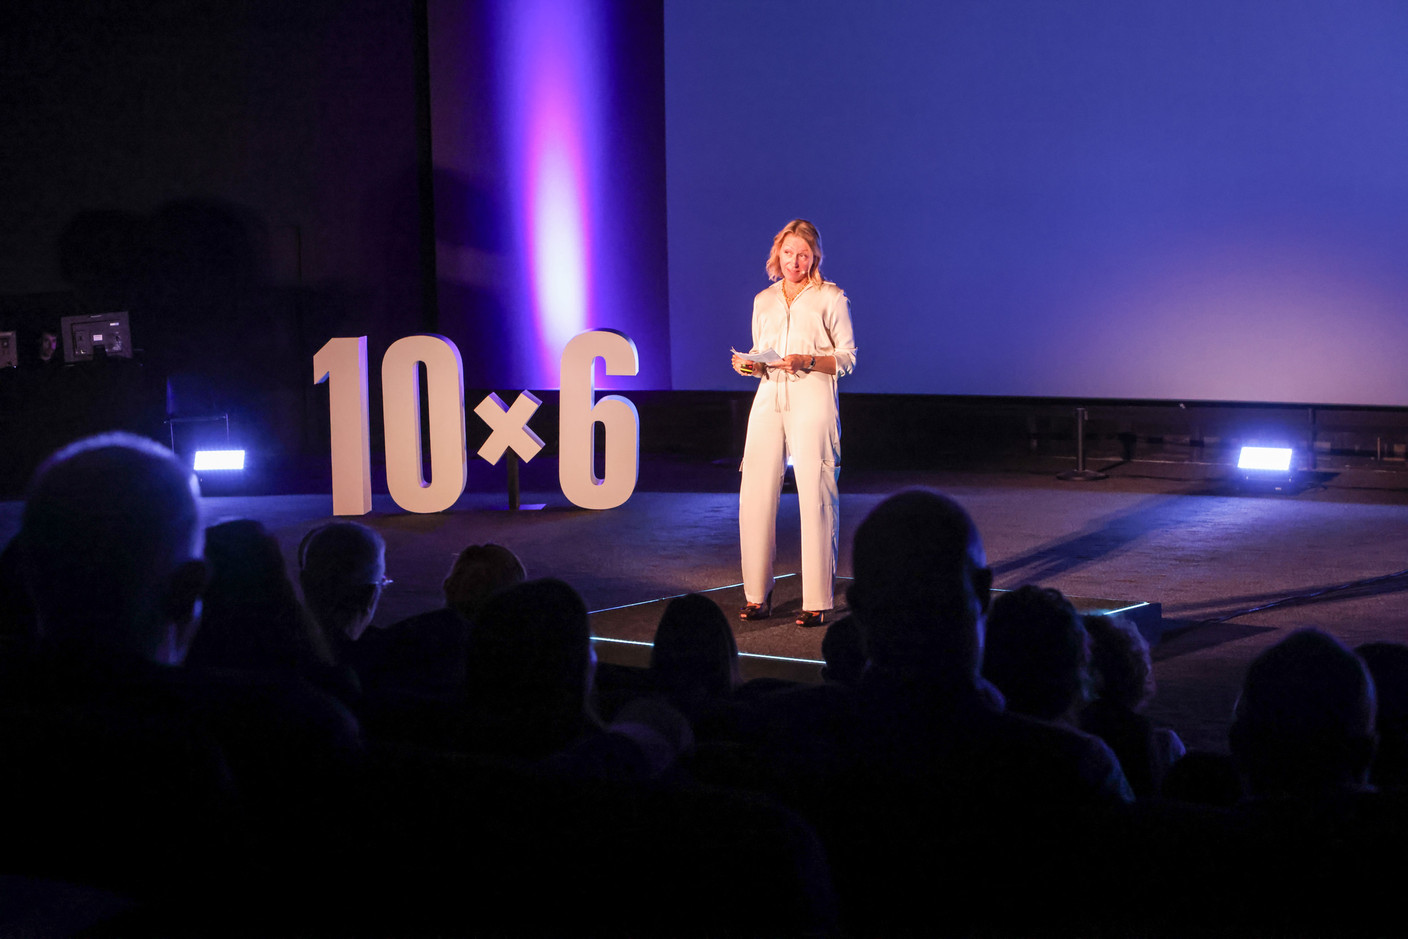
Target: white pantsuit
{"x":796,"y":416}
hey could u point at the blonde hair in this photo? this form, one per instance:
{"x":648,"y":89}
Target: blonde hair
{"x":806,"y":231}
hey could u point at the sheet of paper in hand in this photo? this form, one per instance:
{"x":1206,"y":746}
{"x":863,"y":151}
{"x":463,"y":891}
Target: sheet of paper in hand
{"x":766,"y":357}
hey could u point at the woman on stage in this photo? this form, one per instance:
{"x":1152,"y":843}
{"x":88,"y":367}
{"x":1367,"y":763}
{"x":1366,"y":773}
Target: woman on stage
{"x":807,"y":321}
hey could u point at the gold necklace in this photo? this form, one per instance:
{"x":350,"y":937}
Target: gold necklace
{"x":789,"y":299}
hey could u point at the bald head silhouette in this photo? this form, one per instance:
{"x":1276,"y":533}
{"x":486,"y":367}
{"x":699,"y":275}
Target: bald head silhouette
{"x":111,"y":549}
{"x":921,"y":585}
{"x":1305,"y":720}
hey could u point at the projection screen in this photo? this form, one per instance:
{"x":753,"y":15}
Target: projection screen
{"x":1189,"y":200}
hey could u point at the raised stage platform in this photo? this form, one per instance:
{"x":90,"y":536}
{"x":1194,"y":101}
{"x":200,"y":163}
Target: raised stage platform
{"x":777,"y":647}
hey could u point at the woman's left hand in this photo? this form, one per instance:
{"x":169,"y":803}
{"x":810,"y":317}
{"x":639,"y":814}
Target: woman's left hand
{"x":795,"y":363}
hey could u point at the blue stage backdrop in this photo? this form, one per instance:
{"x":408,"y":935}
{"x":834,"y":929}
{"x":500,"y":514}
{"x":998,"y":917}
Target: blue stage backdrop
{"x":1168,"y":199}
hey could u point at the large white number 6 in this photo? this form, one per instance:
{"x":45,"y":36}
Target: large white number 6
{"x":400,"y":395}
{"x":578,"y":415}
{"x":344,"y":361}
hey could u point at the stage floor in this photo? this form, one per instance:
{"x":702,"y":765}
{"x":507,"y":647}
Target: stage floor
{"x":1163,"y":534}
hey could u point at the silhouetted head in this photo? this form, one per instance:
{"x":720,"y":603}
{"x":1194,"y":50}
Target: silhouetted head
{"x":1388,"y":665}
{"x":694,"y":650}
{"x":1121,"y":670}
{"x":479,"y":570}
{"x":1304,"y":723}
{"x":252,"y":616}
{"x":530,"y":662}
{"x":921,"y":585}
{"x":1036,"y":652}
{"x":342,"y":569}
{"x":111,"y":549}
{"x":841,"y":648}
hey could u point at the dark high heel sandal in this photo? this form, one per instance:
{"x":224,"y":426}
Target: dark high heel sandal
{"x":757,"y":610}
{"x":811,"y":618}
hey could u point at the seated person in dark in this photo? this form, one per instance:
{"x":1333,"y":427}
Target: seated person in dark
{"x":1122,"y":682}
{"x":342,"y":570}
{"x":528,"y":691}
{"x":251,"y":616}
{"x":920,"y":595}
{"x":111,"y":554}
{"x":1312,"y":831}
{"x":1304,"y":723}
{"x":109,"y":551}
{"x":921,"y":760}
{"x":694,"y":659}
{"x":424,"y":655}
{"x":1037,"y":653}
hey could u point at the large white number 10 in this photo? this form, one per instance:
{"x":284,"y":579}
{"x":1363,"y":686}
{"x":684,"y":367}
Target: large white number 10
{"x":343,"y":364}
{"x":400,"y":402}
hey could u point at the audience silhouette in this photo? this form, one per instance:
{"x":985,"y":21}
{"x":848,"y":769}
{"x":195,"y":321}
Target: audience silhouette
{"x":1311,"y":830}
{"x":111,"y":556}
{"x":1037,"y":653}
{"x":176,"y":763}
{"x":1304,"y":724}
{"x":424,"y":655}
{"x":1122,"y":678}
{"x":529,"y":672}
{"x":342,"y":569}
{"x":111,"y":552}
{"x":694,"y":659}
{"x":252,"y":617}
{"x":920,"y":760}
{"x":478,"y":571}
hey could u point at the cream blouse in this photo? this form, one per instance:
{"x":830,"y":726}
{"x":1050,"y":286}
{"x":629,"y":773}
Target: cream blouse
{"x":819,"y":323}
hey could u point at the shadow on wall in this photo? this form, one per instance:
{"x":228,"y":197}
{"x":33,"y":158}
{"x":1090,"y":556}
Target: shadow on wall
{"x":474,"y":281}
{"x":212,"y":330}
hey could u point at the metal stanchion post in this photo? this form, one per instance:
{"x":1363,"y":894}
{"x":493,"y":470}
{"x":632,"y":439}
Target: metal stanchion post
{"x":513,"y":498}
{"x":1080,"y":473}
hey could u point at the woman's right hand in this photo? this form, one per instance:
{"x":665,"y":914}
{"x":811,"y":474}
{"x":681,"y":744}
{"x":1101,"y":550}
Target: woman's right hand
{"x":744,"y":367}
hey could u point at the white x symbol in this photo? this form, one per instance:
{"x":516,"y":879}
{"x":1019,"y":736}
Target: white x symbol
{"x":508,"y":427}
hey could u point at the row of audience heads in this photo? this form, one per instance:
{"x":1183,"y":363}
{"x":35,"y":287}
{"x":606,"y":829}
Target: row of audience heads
{"x":1312,"y":716}
{"x":116,"y":561}
{"x":341,"y":573}
{"x":112,"y":557}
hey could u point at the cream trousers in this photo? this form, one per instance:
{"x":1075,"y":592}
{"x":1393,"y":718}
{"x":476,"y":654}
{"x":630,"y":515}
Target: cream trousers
{"x":796,"y":418}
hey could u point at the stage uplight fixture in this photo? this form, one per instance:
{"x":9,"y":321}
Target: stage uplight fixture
{"x":1265,"y":459}
{"x":1267,"y":468}
{"x":218,"y":460}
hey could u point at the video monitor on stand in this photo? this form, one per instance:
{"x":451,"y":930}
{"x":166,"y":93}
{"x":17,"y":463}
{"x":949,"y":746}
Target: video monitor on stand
{"x":96,"y":335}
